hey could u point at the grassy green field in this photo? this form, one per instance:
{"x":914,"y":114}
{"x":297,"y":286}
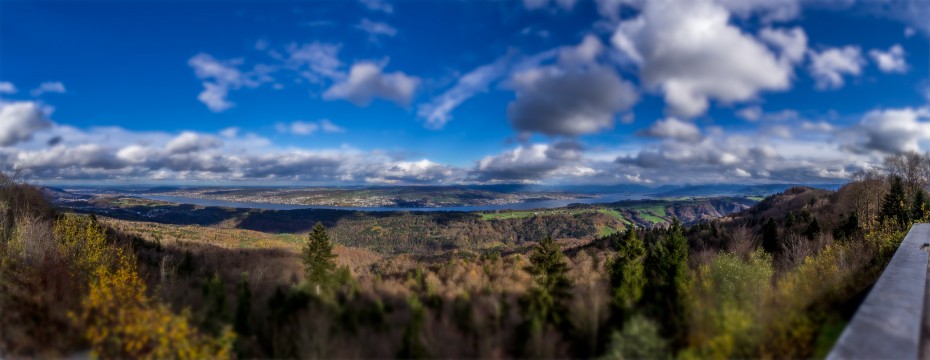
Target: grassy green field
{"x":531,"y":213}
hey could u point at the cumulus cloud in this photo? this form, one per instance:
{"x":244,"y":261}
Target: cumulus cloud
{"x":830,"y":65}
{"x":7,"y":87}
{"x":672,"y":128}
{"x":791,"y":42}
{"x":691,"y":53}
{"x":378,"y":5}
{"x":376,"y":29}
{"x":673,"y":154}
{"x":584,"y":53}
{"x":423,"y":171}
{"x":19,"y":121}
{"x":367,"y":81}
{"x":569,"y":102}
{"x":532,"y":163}
{"x":190,"y":141}
{"x":49,"y":87}
{"x":113,"y":153}
{"x":760,"y":157}
{"x":894,"y":130}
{"x":438,"y":111}
{"x":891,"y":61}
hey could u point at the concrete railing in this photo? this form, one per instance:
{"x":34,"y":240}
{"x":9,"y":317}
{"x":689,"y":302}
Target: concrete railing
{"x":890,"y":323}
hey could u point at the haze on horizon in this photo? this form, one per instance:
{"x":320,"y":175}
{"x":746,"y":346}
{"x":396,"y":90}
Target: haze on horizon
{"x":413,"y":92}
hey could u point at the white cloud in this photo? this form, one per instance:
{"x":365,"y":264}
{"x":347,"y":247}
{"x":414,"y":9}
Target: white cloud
{"x":438,"y":111}
{"x":328,"y":127}
{"x":829,"y":66}
{"x":315,"y":61}
{"x":570,"y":102}
{"x":48,"y":87}
{"x":792,"y":43}
{"x":532,"y":163}
{"x":378,"y":5}
{"x":218,"y":78}
{"x":19,"y":121}
{"x":752,"y":113}
{"x":584,"y":53}
{"x":7,"y":87}
{"x":891,"y":61}
{"x":672,"y":128}
{"x":230,"y":132}
{"x":819,"y":126}
{"x":770,"y":10}
{"x":366,"y":81}
{"x":422,"y":171}
{"x":740,"y":173}
{"x":376,"y":29}
{"x":308,"y":128}
{"x":690,"y":52}
{"x":190,"y":141}
{"x":894,"y":130}
{"x":214,"y":96}
{"x":298,"y":127}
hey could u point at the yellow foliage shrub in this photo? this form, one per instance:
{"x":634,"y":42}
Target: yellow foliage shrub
{"x":122,"y":322}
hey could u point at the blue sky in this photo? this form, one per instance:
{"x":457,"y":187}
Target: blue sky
{"x":447,"y":92}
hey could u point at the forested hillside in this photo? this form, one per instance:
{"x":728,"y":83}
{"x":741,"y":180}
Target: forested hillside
{"x":423,"y":232}
{"x":779,"y":279}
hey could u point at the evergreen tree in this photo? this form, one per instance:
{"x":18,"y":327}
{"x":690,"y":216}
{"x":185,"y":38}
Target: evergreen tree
{"x":770,"y":236}
{"x":894,"y":206}
{"x":813,"y":229}
{"x":241,"y":323}
{"x":412,"y":346}
{"x":678,"y":281}
{"x":852,"y":225}
{"x":626,"y":271}
{"x":790,"y":220}
{"x":666,"y":292}
{"x":7,"y":226}
{"x":214,"y":313}
{"x":319,"y":259}
{"x":921,"y":206}
{"x":545,"y":302}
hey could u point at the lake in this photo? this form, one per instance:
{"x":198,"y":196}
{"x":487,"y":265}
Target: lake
{"x":528,"y":205}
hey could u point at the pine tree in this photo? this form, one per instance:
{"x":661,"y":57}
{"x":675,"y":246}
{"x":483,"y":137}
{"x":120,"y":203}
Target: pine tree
{"x":813,"y":229}
{"x":241,"y":323}
{"x":665,"y":296}
{"x":214,"y":313}
{"x":546,"y":300}
{"x":626,"y":270}
{"x":319,"y":259}
{"x":770,"y":236}
{"x":790,"y":220}
{"x":921,"y":206}
{"x":677,"y":281}
{"x":894,"y":206}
